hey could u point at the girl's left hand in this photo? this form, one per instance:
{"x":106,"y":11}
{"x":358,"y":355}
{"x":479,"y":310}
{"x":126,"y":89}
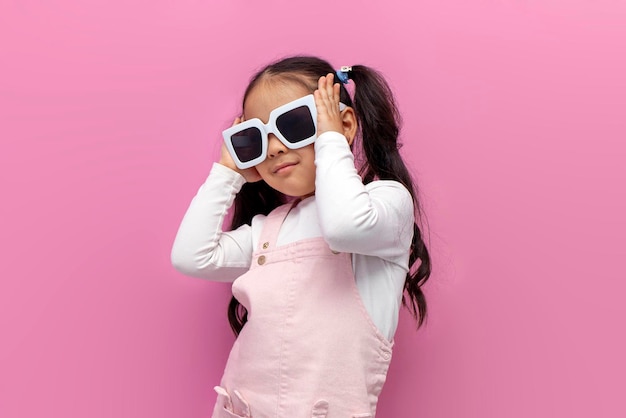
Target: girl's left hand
{"x":327,"y":103}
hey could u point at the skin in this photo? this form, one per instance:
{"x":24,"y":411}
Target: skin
{"x":292,"y":172}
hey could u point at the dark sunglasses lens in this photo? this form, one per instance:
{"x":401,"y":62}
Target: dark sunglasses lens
{"x":247,"y":144}
{"x":296,"y":125}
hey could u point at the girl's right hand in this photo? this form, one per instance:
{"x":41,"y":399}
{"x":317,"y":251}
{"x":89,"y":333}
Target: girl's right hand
{"x":250,"y":174}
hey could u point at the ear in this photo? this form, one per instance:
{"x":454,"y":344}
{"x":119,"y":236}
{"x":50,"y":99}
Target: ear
{"x":348,"y":118}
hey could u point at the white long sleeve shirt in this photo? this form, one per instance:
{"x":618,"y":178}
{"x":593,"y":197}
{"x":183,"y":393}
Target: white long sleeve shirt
{"x":374,"y":222}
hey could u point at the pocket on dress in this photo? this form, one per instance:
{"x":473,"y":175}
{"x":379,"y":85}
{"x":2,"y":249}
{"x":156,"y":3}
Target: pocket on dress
{"x":320,"y":409}
{"x":228,"y":407}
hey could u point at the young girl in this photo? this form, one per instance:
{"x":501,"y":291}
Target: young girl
{"x":320,"y":251}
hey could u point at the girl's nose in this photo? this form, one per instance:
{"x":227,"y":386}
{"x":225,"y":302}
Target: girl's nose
{"x":275,"y":147}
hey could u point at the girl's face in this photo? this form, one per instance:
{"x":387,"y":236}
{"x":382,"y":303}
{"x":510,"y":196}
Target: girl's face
{"x":291,"y":172}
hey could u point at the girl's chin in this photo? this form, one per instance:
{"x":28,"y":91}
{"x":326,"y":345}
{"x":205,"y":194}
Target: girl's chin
{"x":298,"y":194}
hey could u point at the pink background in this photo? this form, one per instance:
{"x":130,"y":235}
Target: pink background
{"x":514,"y":124}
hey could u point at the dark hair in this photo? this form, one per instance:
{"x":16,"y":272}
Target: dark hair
{"x":379,"y":126}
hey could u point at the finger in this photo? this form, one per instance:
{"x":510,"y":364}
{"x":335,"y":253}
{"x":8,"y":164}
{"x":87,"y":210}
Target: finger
{"x":326,"y":91}
{"x":327,"y":96}
{"x":321,"y":83}
{"x":336,"y":92}
{"x":319,"y":101}
{"x":322,"y":101}
{"x":330,"y":78}
{"x":321,"y":87}
{"x":333,"y":90}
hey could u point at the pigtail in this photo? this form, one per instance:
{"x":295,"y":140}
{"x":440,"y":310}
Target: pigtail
{"x":253,"y":199}
{"x":379,"y":124}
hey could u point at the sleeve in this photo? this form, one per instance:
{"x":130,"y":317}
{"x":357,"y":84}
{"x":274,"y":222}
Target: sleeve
{"x":200,"y":248}
{"x":374,"y":219}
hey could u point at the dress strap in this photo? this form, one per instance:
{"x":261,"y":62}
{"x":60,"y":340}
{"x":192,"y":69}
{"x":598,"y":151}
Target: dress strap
{"x":272,"y":224}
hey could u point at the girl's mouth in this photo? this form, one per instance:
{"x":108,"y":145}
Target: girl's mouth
{"x":284,"y":168}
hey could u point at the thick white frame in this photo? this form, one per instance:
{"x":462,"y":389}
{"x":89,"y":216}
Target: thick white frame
{"x":270,"y":128}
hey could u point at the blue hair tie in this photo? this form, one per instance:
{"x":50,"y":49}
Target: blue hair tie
{"x":343,"y":74}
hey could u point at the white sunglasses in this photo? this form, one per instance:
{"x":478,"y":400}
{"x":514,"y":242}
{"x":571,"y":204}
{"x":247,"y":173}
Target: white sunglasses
{"x":294,"y":124}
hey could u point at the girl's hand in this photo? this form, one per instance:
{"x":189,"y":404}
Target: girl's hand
{"x":327,"y":103}
{"x":250,"y":174}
